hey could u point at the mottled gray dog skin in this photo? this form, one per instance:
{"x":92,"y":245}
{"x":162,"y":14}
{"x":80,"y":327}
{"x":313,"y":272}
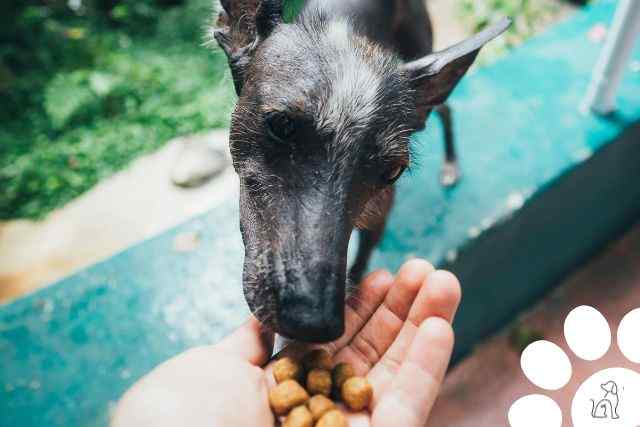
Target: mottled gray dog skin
{"x":319,"y":135}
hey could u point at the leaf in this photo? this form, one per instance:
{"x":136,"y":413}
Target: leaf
{"x":102,"y":83}
{"x":65,"y":95}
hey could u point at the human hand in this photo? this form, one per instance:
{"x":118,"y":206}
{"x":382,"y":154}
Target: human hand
{"x":398,"y":334}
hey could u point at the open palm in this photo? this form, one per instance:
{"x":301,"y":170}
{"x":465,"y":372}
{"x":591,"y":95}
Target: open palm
{"x":398,"y":335}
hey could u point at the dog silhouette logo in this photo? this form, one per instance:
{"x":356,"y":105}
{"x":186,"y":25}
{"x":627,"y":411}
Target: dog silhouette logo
{"x":607,"y":407}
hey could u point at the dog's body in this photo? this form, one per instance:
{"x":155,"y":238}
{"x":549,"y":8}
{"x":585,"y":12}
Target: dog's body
{"x":400,"y":26}
{"x":320,"y":134}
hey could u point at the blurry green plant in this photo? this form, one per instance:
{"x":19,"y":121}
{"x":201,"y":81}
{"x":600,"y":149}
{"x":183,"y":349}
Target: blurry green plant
{"x":86,"y":91}
{"x":292,"y":8}
{"x":521,"y":336}
{"x":529,"y":17}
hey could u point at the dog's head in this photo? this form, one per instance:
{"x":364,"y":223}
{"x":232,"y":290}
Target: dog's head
{"x":320,"y":133}
{"x":610,"y":387}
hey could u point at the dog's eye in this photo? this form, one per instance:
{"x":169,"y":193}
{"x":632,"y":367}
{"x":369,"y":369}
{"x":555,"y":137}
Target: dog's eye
{"x":280,"y":126}
{"x":392,"y":175}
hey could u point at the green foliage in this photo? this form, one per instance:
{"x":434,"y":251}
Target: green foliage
{"x":67,"y":95}
{"x":89,"y":93}
{"x":521,"y":336}
{"x":292,"y":8}
{"x":528,"y":16}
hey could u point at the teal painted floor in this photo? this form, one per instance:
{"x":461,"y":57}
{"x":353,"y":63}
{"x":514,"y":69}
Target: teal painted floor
{"x":69,"y":351}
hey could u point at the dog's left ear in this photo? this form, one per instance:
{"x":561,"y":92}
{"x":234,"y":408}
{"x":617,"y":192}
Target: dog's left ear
{"x":435,"y":76}
{"x":241,"y":26}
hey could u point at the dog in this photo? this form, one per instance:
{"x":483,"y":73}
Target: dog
{"x":320,"y":133}
{"x":607,"y":407}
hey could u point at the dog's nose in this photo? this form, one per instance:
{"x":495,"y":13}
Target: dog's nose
{"x":311,"y":312}
{"x":301,"y":324}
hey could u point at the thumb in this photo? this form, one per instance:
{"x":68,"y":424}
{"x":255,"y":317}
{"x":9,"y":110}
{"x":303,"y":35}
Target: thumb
{"x":251,"y":342}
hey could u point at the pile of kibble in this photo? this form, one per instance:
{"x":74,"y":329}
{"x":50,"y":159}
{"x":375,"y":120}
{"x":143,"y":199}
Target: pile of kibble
{"x":312,"y":405}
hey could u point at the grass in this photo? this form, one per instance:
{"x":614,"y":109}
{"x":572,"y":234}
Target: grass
{"x":94,"y":122}
{"x":82,"y":97}
{"x":83,"y":122}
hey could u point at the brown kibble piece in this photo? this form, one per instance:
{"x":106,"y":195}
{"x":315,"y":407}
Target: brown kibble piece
{"x":299,"y":417}
{"x":287,"y":369}
{"x":319,"y":382}
{"x":333,"y":418}
{"x":341,"y":373}
{"x":287,"y":395}
{"x":357,"y":393}
{"x":319,"y":405}
{"x":317,"y":359}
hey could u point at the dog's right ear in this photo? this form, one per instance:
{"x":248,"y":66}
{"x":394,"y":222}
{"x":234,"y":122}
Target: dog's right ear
{"x":241,"y":26}
{"x":435,"y":76}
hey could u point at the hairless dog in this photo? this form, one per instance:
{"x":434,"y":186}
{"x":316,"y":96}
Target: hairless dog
{"x":320,"y":133}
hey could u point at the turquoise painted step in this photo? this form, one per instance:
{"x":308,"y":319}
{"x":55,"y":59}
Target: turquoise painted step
{"x":544,"y":187}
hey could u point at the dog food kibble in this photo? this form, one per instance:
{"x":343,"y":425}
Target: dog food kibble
{"x":287,"y":395}
{"x":319,"y":382}
{"x":333,"y":418}
{"x":287,"y":369}
{"x":289,"y":399}
{"x":319,"y":359}
{"x":319,"y":405}
{"x":341,"y":373}
{"x":357,"y":393}
{"x":299,"y":417}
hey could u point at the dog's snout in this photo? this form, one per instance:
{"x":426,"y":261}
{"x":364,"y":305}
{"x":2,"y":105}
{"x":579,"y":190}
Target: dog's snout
{"x":298,"y":322}
{"x":312,"y":311}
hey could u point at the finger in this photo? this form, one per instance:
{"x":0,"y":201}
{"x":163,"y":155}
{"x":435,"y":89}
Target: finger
{"x":359,"y":309}
{"x":414,"y":390}
{"x":362,"y":305}
{"x":373,"y":340}
{"x":251,"y":342}
{"x":439,"y":296}
{"x":358,"y":419}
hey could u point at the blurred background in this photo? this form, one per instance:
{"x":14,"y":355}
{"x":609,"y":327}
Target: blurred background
{"x":89,"y":86}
